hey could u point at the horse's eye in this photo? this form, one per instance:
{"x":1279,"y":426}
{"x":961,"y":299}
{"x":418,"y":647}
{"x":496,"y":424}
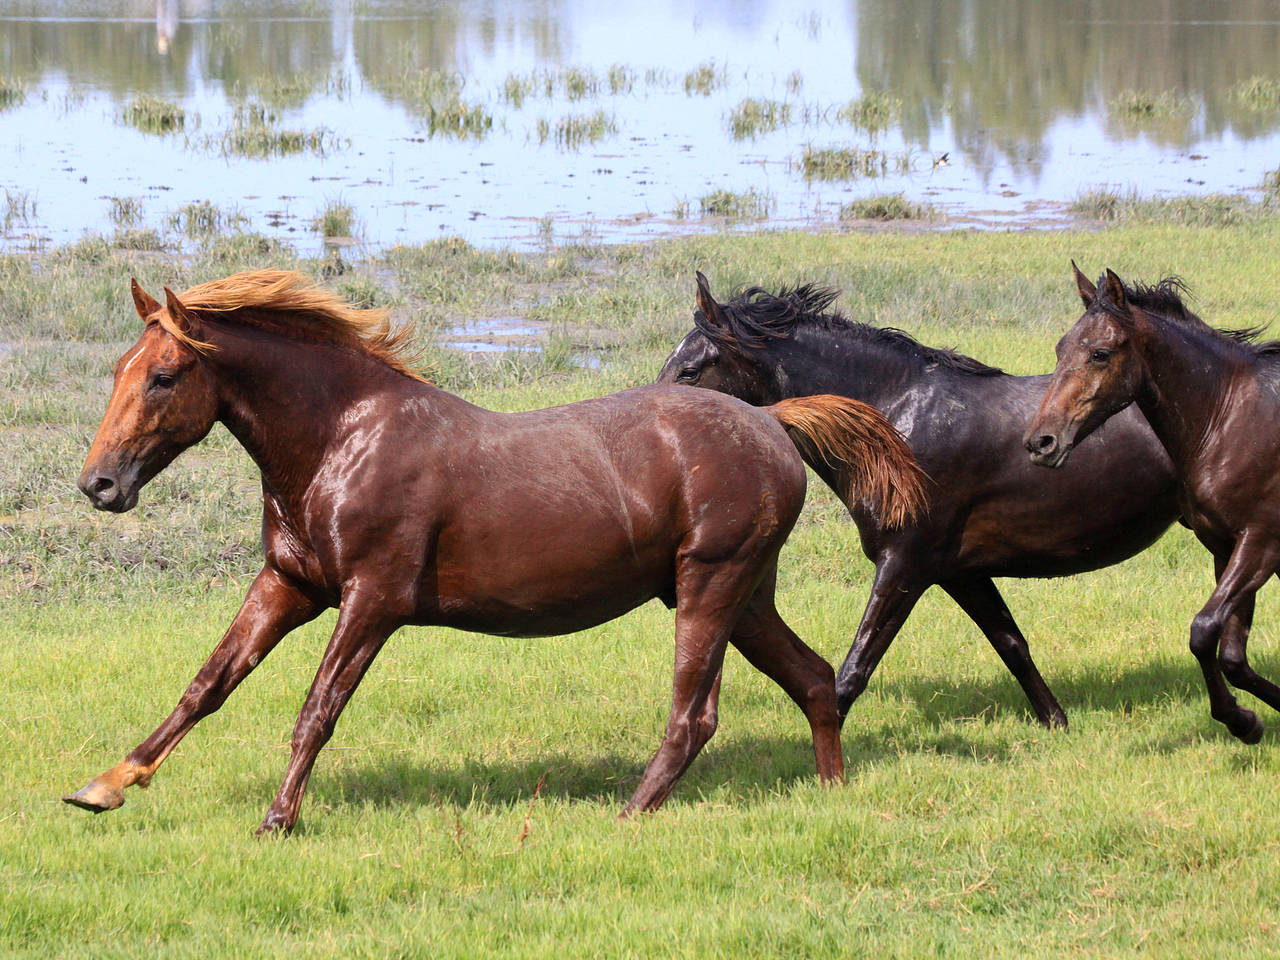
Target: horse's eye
{"x":688,"y":374}
{"x":1100,"y":356}
{"x":162,"y":380}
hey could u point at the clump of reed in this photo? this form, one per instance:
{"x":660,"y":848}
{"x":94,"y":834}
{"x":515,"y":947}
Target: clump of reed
{"x":125,"y":211}
{"x":203,"y":219}
{"x":573,"y":131}
{"x":255,"y":133}
{"x":1204,"y":210}
{"x":337,"y":219}
{"x":887,"y":206}
{"x":1144,"y":106}
{"x":12,"y":92}
{"x":751,"y":204}
{"x":704,"y":78}
{"x":153,"y":115}
{"x":1260,"y":94}
{"x":851,"y":163}
{"x":752,"y":117}
{"x":872,"y":112}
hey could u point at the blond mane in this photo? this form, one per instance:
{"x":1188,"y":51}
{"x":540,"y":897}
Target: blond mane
{"x":286,"y":302}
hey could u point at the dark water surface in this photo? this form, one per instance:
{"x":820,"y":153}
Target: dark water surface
{"x":1015,"y":95}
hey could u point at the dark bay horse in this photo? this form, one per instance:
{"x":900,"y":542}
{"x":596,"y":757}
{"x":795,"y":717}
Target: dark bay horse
{"x":399,"y":503}
{"x":989,"y":513}
{"x":1213,"y":399}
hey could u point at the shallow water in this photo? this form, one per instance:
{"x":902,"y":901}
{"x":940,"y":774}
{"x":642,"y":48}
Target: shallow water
{"x":1013,"y":95}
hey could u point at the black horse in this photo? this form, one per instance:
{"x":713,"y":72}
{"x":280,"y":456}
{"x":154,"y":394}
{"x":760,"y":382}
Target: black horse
{"x":991,"y":514}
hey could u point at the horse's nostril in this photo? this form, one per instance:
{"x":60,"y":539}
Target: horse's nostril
{"x":1046,"y":442}
{"x":102,"y":485}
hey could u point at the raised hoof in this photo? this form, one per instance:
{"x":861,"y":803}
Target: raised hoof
{"x":1247,"y":727}
{"x":96,"y":798}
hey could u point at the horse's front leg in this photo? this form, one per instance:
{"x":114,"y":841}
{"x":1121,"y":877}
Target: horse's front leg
{"x":1224,"y":620}
{"x":363,"y":626}
{"x":273,"y":606}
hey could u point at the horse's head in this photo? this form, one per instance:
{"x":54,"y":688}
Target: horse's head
{"x":163,"y":401}
{"x":710,"y":356}
{"x":1099,"y":373}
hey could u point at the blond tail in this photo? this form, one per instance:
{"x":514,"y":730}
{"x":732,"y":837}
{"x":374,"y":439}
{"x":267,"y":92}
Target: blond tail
{"x":872,"y":462}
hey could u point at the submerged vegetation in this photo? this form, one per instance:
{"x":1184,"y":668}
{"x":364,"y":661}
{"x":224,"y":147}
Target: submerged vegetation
{"x":873,"y":112}
{"x":751,"y":204}
{"x":12,"y":92}
{"x":1142,"y":106}
{"x":1260,"y":94}
{"x":705,"y":78}
{"x":256,"y":133}
{"x":576,"y":130}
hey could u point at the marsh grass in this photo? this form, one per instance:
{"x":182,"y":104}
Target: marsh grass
{"x":153,"y":115}
{"x":1143,"y":107}
{"x":138,"y":238}
{"x":753,"y":117}
{"x":456,"y":118}
{"x":751,"y":204}
{"x":1210,"y":209}
{"x":125,"y":211}
{"x":704,"y":79}
{"x":887,"y":206}
{"x":852,"y":163}
{"x":466,"y":805}
{"x":574,"y":131}
{"x":337,"y":219}
{"x":19,"y":209}
{"x":873,"y":112}
{"x":1260,"y":94}
{"x":256,"y":133}
{"x":621,"y":79}
{"x":203,"y":219}
{"x":12,"y":92}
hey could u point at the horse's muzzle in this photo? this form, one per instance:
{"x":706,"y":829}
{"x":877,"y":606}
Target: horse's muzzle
{"x":106,"y":492}
{"x":1046,"y":450}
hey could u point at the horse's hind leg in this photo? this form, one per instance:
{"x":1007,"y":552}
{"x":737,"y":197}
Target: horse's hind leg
{"x":774,"y":649}
{"x":980,"y":599}
{"x":709,"y":599}
{"x":1224,"y":621}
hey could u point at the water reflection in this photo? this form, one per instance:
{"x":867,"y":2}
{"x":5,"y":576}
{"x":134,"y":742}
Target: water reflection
{"x":1017,"y":93}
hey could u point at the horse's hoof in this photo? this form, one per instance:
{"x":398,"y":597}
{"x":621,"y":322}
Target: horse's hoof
{"x":1247,"y":727}
{"x":274,"y":825}
{"x":96,"y":797}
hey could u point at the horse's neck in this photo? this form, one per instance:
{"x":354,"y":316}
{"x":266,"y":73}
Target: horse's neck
{"x":1188,"y":381}
{"x":847,"y":363}
{"x":288,"y":403}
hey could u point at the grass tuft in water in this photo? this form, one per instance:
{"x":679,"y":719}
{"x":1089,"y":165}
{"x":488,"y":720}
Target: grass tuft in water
{"x":138,"y":238}
{"x":621,"y":79}
{"x":255,"y":133}
{"x":337,"y":219}
{"x":576,"y":130}
{"x":887,"y":206}
{"x":19,"y":208}
{"x":12,"y":92}
{"x":1142,"y":106}
{"x":705,"y":78}
{"x":750,"y":205}
{"x":466,"y":121}
{"x":205,"y":219}
{"x":1261,"y":94}
{"x":873,"y":112}
{"x":125,"y":211}
{"x":851,"y":163}
{"x":753,"y":118}
{"x":153,"y":115}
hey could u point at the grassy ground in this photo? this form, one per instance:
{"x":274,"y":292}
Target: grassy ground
{"x":466,"y":805}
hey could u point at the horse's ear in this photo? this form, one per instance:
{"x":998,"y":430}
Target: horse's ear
{"x":1088,"y":292}
{"x":181,"y":315}
{"x":707,"y":303}
{"x":143,"y":302}
{"x":1115,"y":291}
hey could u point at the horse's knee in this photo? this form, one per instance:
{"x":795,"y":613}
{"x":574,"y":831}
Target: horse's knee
{"x":1205,"y":630}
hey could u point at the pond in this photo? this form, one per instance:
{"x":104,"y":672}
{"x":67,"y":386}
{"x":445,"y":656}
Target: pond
{"x":524,"y":124}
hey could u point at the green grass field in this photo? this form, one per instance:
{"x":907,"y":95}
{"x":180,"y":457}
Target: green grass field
{"x":466,"y":806}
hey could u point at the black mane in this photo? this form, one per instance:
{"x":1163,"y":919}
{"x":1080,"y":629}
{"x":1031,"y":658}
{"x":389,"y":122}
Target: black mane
{"x":755,"y":316}
{"x":1165,"y":301}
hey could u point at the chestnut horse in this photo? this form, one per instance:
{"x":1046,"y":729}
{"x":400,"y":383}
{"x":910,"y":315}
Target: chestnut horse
{"x":1211,"y":397}
{"x":399,"y":503}
{"x":990,"y":513}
